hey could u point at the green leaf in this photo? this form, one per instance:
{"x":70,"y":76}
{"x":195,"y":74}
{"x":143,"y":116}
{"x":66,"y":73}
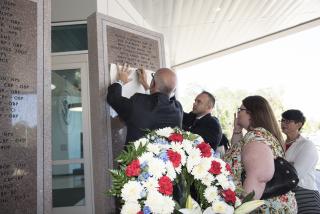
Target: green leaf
{"x":119,"y":178}
{"x":249,"y":197}
{"x":130,"y":154}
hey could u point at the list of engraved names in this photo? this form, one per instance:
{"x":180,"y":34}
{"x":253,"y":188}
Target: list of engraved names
{"x":18,"y":112}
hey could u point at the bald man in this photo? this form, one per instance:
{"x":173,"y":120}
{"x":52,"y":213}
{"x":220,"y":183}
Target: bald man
{"x":143,"y":112}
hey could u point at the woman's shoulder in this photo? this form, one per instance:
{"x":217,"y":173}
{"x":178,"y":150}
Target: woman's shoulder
{"x":257,"y":134}
{"x":261,"y":135}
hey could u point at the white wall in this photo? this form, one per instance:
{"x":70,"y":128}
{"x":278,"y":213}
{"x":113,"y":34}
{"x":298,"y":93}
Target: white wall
{"x":73,"y":10}
{"x":76,"y":10}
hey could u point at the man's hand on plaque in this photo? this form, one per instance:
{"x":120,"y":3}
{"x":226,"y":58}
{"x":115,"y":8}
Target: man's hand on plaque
{"x":123,"y":73}
{"x":142,"y":78}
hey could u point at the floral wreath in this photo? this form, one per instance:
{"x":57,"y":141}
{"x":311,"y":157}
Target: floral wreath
{"x":157,"y":171}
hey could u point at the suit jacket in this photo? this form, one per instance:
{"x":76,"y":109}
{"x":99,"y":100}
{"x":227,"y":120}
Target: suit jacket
{"x":207,"y":127}
{"x":144,"y":111}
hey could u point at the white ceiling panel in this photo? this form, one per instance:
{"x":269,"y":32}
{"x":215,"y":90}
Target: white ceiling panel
{"x":196,"y":28}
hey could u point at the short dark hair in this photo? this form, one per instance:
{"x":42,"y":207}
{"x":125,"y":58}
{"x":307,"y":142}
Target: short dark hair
{"x":295,"y":115}
{"x":212,"y":100}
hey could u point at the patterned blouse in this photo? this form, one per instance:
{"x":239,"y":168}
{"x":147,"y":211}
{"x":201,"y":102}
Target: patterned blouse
{"x":280,"y":205}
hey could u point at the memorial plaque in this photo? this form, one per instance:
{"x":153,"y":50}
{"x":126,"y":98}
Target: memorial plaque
{"x":136,"y":50}
{"x":112,"y":41}
{"x":18,"y":106}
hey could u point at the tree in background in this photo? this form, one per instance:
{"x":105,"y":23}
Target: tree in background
{"x":227,"y":102}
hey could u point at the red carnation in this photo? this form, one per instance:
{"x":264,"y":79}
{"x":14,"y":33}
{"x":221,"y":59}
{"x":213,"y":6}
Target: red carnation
{"x":228,"y":167}
{"x":176,"y":137}
{"x":174,"y":157}
{"x":133,"y":169}
{"x":165,"y":185}
{"x":229,"y":196}
{"x":205,"y":149}
{"x":140,"y":212}
{"x":215,"y":168}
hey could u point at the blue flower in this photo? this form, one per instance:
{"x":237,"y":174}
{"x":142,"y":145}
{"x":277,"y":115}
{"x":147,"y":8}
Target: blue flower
{"x":161,"y":141}
{"x":197,"y":142}
{"x":215,"y":154}
{"x":144,"y":164}
{"x":146,"y":210}
{"x":163,"y":156}
{"x":143,"y":176}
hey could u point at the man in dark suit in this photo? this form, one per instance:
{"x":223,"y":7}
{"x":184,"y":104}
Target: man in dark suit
{"x":200,"y":121}
{"x":144,"y":112}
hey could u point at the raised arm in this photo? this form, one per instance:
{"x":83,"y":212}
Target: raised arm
{"x":122,"y":105}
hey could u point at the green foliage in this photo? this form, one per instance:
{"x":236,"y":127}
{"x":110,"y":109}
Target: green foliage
{"x":248,"y":197}
{"x":130,"y":153}
{"x":119,"y":178}
{"x":200,"y":194}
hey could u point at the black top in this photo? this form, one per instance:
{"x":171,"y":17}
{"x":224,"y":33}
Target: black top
{"x":207,"y":127}
{"x":144,"y":111}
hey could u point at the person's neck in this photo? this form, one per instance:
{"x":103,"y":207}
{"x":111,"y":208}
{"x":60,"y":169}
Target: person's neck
{"x":202,"y":115}
{"x":292,"y":137}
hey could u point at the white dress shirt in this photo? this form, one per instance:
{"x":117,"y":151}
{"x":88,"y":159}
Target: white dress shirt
{"x":304,"y":156}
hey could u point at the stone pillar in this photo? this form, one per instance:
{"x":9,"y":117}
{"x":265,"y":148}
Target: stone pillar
{"x":110,"y":41}
{"x":25,"y":176}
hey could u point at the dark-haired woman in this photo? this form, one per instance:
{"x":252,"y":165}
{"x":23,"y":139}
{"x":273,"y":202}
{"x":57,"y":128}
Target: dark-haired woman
{"x":303,"y":154}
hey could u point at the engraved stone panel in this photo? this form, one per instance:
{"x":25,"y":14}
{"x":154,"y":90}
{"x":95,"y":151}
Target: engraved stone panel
{"x":136,"y":50}
{"x":18,"y":106}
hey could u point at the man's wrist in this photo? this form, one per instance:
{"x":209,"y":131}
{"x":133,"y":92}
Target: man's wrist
{"x":120,"y":82}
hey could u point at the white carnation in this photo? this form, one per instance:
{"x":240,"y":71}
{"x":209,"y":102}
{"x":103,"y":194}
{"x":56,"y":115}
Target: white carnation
{"x":176,"y":146}
{"x":200,"y":170}
{"x":156,"y":167}
{"x":154,"y":148}
{"x":207,"y":180}
{"x":145,"y":157}
{"x":165,"y":132}
{"x":187,"y":145}
{"x":159,"y":203}
{"x":171,"y":173}
{"x":211,"y":194}
{"x":223,"y":181}
{"x":130,"y":208}
{"x":178,"y":169}
{"x":193,"y":159}
{"x":151,"y":184}
{"x":183,"y":157}
{"x":131,"y":191}
{"x":141,"y":141}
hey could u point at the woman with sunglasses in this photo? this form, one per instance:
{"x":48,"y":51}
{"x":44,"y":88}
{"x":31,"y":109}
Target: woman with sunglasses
{"x":303,"y":154}
{"x":252,"y":156}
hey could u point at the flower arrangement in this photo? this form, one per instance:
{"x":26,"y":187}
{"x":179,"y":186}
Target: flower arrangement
{"x":157,"y":171}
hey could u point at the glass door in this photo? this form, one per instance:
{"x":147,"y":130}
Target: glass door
{"x":71,"y":171}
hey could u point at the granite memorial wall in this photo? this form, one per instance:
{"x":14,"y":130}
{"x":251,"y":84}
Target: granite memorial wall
{"x":22,"y":65}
